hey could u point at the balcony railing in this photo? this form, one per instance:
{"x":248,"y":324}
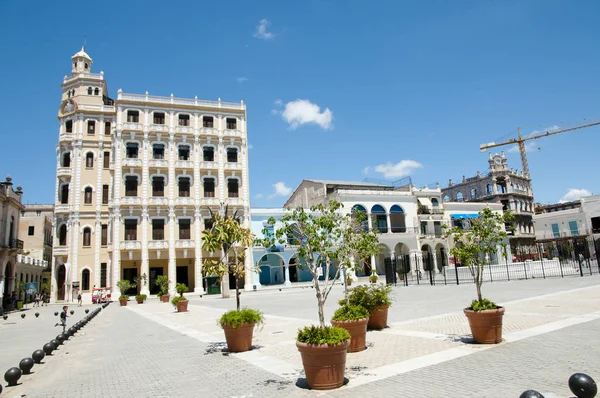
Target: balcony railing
{"x":233,"y":165}
{"x":232,"y":133}
{"x":209,"y":165}
{"x":31,"y":261}
{"x":158,"y":244}
{"x":60,"y":250}
{"x":61,"y":208}
{"x":66,"y":137}
{"x":63,"y":171}
{"x":159,"y":128}
{"x":131,"y":200}
{"x":184,"y":201}
{"x":209,"y":201}
{"x":131,"y":245}
{"x":132,"y":162}
{"x":564,"y":234}
{"x":184,"y":164}
{"x":158,"y":201}
{"x":180,"y":101}
{"x":184,"y":129}
{"x":234,"y":201}
{"x":162,"y":163}
{"x":209,"y":131}
{"x":132,"y":126}
{"x":185,"y":244}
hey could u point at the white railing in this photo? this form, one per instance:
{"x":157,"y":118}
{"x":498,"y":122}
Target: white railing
{"x":131,"y":200}
{"x":63,"y":171}
{"x":158,"y":200}
{"x":209,"y":131}
{"x":158,"y":163}
{"x":179,"y":101}
{"x":61,"y":208}
{"x":132,"y":126}
{"x":209,"y":201}
{"x":158,"y":244}
{"x":184,"y":164}
{"x":103,"y":108}
{"x":131,"y":245}
{"x":22,"y":259}
{"x":66,"y":137}
{"x":184,"y":129}
{"x":184,"y":201}
{"x":159,"y":128}
{"x":233,"y":165}
{"x":208,"y":165}
{"x":184,"y":243}
{"x":234,"y":201}
{"x":132,"y":162}
{"x":232,"y":133}
{"x":60,"y":250}
{"x":84,"y":75}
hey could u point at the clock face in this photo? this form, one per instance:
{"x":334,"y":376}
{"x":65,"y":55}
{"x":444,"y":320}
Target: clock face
{"x":497,"y":161}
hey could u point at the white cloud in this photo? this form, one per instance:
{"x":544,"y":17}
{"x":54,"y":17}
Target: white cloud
{"x":532,"y":145}
{"x":300,"y":112}
{"x":280,"y":189}
{"x":242,"y":79}
{"x":259,"y":196}
{"x":262,"y":30}
{"x":390,"y":170}
{"x":574,"y":194}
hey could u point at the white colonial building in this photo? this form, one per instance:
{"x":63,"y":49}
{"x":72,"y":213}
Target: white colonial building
{"x":136,"y":176}
{"x":579,"y":218}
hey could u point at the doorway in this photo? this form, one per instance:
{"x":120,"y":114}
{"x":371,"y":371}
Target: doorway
{"x":154,"y":273}
{"x":130,"y":274}
{"x":60,"y":281}
{"x":293,"y":273}
{"x":182,"y":275}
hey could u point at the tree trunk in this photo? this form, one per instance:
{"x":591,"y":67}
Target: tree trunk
{"x":225,"y":291}
{"x":478,"y":282}
{"x":320,"y":301}
{"x":237,"y":285}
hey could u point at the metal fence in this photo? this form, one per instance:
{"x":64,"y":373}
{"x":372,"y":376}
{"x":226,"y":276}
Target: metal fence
{"x":565,"y":258}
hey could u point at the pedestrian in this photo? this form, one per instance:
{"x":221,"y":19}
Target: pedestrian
{"x":43,"y":297}
{"x":63,"y":318}
{"x":13,"y":299}
{"x":79,"y":300}
{"x":36,"y":300}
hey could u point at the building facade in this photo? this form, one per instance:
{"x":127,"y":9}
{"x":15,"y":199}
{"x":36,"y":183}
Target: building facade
{"x":580,"y":218}
{"x":136,"y":176}
{"x":410,"y":221}
{"x":10,"y":245}
{"x":509,"y":187}
{"x":35,"y":230}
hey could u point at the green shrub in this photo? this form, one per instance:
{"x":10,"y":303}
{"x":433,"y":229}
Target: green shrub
{"x":482,"y":305}
{"x":181,"y":288}
{"x":162,"y":281}
{"x":329,"y":335}
{"x":125,"y":285}
{"x":178,"y":299}
{"x":373,"y":277}
{"x":141,"y":297}
{"x":350,"y":313}
{"x":369,"y":297}
{"x":236,"y":318}
{"x":123,"y":297}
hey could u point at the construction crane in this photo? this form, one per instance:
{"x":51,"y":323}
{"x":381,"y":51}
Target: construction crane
{"x":520,"y":141}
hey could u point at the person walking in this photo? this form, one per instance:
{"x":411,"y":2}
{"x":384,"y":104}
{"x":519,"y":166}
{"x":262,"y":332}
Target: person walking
{"x":36,"y":300}
{"x":13,"y":299}
{"x":63,"y":318}
{"x":79,"y":300}
{"x":43,"y":297}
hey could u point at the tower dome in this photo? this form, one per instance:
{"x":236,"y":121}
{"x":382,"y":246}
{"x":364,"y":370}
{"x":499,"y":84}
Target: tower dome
{"x":82,"y":62}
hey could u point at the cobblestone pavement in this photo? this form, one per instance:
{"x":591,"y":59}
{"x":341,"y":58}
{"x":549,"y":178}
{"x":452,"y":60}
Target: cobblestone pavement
{"x":149,"y":350}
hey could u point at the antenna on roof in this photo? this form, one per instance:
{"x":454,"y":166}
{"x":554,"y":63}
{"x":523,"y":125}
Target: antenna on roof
{"x":84,"y":42}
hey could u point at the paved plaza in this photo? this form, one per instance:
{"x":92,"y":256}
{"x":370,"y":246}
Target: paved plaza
{"x":551,"y":331}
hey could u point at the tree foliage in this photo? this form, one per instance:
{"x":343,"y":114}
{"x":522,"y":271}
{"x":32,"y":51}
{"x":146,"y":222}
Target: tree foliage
{"x":473,"y":246}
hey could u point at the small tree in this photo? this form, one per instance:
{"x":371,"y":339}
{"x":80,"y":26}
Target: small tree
{"x":474,"y":245}
{"x":163,"y":282}
{"x":125,"y":285}
{"x":321,"y":236}
{"x":231,"y":239}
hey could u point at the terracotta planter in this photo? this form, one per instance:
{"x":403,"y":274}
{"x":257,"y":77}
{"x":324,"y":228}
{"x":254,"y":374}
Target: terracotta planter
{"x":182,"y":306}
{"x":486,"y":326}
{"x":324,"y":365}
{"x":123,"y":302}
{"x":165,"y":298}
{"x":239,"y":339}
{"x":378,"y":318}
{"x":349,"y":282}
{"x":372,"y":281}
{"x":139,"y":301}
{"x":358,"y":333}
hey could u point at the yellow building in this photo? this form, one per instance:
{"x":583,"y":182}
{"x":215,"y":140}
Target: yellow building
{"x":135,"y":179}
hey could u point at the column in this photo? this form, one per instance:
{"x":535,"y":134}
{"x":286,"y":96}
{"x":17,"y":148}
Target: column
{"x":116,"y":259}
{"x":287,"y":275}
{"x":172,"y":272}
{"x":221,"y":171}
{"x":53,"y":288}
{"x":198,"y":287}
{"x":172,"y":265}
{"x":144,"y":268}
{"x":370,"y":221}
{"x":417,"y":261}
{"x":373,"y":264}
{"x":116,"y":195}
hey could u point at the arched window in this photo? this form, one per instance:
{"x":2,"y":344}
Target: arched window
{"x":232,"y":188}
{"x":131,"y":186}
{"x":89,"y":91}
{"x":379,"y":218}
{"x":64,"y":194}
{"x":446,"y":198}
{"x":209,"y":187}
{"x":87,"y":197}
{"x":96,"y":91}
{"x":69,"y":126}
{"x":87,"y":237}
{"x":397,"y":219}
{"x":434,"y":203}
{"x":459,"y":197}
{"x":358,"y":208}
{"x":377,"y":209}
{"x":86,"y":65}
{"x":66,"y":160}
{"x":184,"y":187}
{"x":473,"y":193}
{"x":489,"y":189}
{"x":89,"y":160}
{"x":62,"y":235}
{"x":85,"y":279}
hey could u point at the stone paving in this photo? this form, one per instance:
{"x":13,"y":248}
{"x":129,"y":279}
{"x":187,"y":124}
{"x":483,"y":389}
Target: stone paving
{"x":149,"y":350}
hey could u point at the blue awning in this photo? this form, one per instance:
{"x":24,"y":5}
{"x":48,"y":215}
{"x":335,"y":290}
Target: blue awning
{"x":461,"y":216}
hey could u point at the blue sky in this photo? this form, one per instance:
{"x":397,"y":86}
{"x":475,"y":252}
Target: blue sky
{"x":334,"y":89}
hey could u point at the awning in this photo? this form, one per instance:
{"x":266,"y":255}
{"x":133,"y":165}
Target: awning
{"x":425,"y":202}
{"x":462,"y":216}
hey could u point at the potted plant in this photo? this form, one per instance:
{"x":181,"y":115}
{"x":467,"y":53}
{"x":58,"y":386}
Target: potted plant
{"x":354,"y":319}
{"x":163,"y":282}
{"x":322,"y":235}
{"x":473,"y":246}
{"x":373,"y":278}
{"x":232,"y":240}
{"x":180,"y":302}
{"x":376,"y":299}
{"x":124,"y":285}
{"x":348,"y":280}
{"x":140,"y":298}
{"x":238,"y":326}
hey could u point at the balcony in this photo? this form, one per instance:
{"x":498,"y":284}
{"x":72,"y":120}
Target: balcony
{"x":63,"y":171}
{"x":209,"y":131}
{"x":133,"y":126}
{"x":184,"y":130}
{"x":179,"y":101}
{"x":60,"y":251}
{"x":186,"y":201}
{"x":132,"y":162}
{"x":65,"y":137}
{"x":131,"y":245}
{"x":185,"y":244}
{"x":13,"y":244}
{"x":209,"y":201}
{"x":232,"y":133}
{"x":61,"y":208}
{"x":158,"y":201}
{"x":233,"y":165}
{"x":158,"y":244}
{"x":209,"y":165}
{"x":159,"y":128}
{"x":184,"y":164}
{"x":403,"y":230}
{"x":131,"y":200}
{"x":27,"y":260}
{"x":234,"y":201}
{"x":158,"y":163}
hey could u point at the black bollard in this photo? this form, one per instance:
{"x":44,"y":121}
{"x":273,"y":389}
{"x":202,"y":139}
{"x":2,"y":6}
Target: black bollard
{"x":37,"y":314}
{"x":582,"y":385}
{"x":12,"y":375}
{"x":23,"y":316}
{"x":5,"y":317}
{"x":72,"y":312}
{"x":56,"y":314}
{"x":531,"y":394}
{"x":65,"y":336}
{"x":60,"y":338}
{"x":87,"y":310}
{"x":25,"y":365}
{"x":48,"y":348}
{"x":38,"y":355}
{"x":72,"y":331}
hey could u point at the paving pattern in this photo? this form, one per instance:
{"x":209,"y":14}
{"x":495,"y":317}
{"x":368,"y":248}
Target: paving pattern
{"x":149,"y":350}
